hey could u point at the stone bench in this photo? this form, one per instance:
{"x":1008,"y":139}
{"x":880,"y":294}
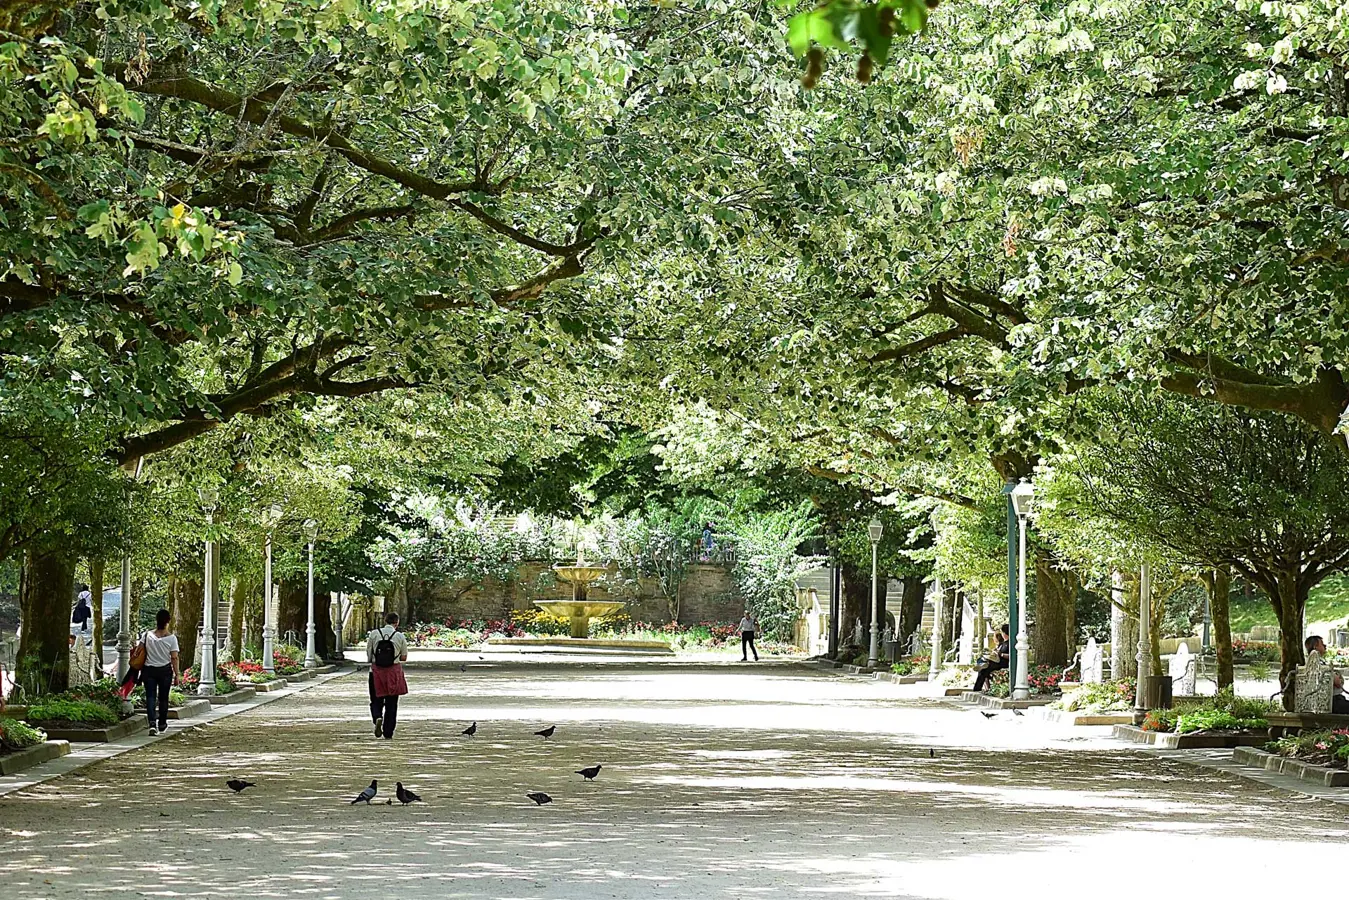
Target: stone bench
{"x":1281,"y":724}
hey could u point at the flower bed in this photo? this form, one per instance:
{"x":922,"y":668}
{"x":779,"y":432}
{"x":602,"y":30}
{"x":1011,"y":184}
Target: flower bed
{"x":1320,"y":748}
{"x":1224,"y":713}
{"x":16,"y":735}
{"x":1042,"y":680}
{"x":912,"y":665}
{"x":1109,"y":696}
{"x":248,"y":672}
{"x":95,"y":705}
{"x":1255,"y":651}
{"x":287,"y":660}
{"x":191,"y":678}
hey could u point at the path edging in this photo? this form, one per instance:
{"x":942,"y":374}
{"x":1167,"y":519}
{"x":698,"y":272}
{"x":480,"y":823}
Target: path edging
{"x":16,"y":762}
{"x":1256,"y":758}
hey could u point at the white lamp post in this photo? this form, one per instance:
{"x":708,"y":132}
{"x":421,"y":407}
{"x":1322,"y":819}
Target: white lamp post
{"x":206,"y":674}
{"x":270,"y":519}
{"x":874,"y":530}
{"x":1023,"y":498}
{"x":1144,"y":642}
{"x":311,"y":661}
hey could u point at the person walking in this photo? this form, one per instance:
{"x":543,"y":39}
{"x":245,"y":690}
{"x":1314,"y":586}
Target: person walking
{"x":83,"y":612}
{"x":159,"y":672}
{"x":387,"y":649}
{"x":747,"y":628}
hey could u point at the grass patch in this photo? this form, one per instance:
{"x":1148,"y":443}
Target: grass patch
{"x":1327,"y":602}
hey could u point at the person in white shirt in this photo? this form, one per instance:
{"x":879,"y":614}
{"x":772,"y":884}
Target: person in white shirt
{"x":159,"y":672}
{"x":387,"y":682}
{"x":747,"y":628}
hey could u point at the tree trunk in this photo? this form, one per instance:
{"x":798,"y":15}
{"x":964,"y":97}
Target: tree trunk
{"x":1219,"y":583}
{"x":856,"y":604}
{"x":1123,"y":629}
{"x":1289,"y":601}
{"x":45,"y":606}
{"x":294,"y":614}
{"x":234,"y":641}
{"x":96,"y":603}
{"x":186,"y":602}
{"x":1055,"y":593}
{"x":291,"y":615}
{"x":911,"y":611}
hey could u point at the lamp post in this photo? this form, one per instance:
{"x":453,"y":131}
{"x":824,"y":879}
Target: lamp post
{"x":124,"y":614}
{"x":311,"y":533}
{"x":270,"y":519}
{"x":1144,"y":642}
{"x":1023,"y":498}
{"x":874,"y":530}
{"x":206,"y":674}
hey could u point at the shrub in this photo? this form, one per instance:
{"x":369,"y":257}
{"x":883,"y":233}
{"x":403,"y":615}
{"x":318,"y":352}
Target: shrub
{"x":911,"y":664}
{"x":247,"y":671}
{"x":1223,"y":712}
{"x":81,"y":712}
{"x":1322,"y":748}
{"x":16,"y":735}
{"x":1041,"y":680}
{"x":224,"y":681}
{"x":1109,"y":696}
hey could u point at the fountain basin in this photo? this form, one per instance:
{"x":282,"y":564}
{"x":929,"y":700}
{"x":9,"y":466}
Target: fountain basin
{"x":579,"y":612}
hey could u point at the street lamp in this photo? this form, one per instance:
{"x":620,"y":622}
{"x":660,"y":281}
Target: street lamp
{"x":1144,"y":642}
{"x":311,"y":533}
{"x":1023,"y":498}
{"x":874,"y":532}
{"x":270,"y":519}
{"x":210,"y":500}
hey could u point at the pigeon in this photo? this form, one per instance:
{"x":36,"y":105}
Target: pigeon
{"x":236,"y":785}
{"x":1017,"y":712}
{"x":931,"y":754}
{"x":367,"y":795}
{"x":389,"y":802}
{"x":547,"y":732}
{"x":539,"y":798}
{"x":470,"y":730}
{"x":463,"y":668}
{"x":405,"y":796}
{"x":987,"y":715}
{"x":590,"y":773}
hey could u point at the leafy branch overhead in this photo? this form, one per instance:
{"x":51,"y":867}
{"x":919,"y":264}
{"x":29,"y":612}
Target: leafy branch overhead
{"x":841,"y":24}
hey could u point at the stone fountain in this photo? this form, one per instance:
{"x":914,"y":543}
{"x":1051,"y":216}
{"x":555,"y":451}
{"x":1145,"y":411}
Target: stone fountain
{"x":579,"y":609}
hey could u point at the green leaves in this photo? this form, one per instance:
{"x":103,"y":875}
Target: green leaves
{"x":839,"y":24}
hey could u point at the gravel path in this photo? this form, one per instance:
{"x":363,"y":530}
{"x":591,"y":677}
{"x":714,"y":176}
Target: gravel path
{"x":719,"y":781}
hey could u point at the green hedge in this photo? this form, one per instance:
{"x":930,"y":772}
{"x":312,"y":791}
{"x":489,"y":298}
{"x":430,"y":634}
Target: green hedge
{"x":16,"y":735}
{"x":83,"y":712}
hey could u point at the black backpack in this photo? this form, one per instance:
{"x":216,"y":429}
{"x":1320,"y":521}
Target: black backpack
{"x":385,"y":654}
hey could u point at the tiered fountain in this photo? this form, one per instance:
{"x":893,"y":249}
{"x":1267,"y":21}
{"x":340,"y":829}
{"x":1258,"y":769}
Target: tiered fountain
{"x":577,"y":612}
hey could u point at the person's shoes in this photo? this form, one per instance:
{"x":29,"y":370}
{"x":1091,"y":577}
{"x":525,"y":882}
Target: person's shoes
{"x":154,"y":732}
{"x":379,"y":727}
{"x":163,"y":727}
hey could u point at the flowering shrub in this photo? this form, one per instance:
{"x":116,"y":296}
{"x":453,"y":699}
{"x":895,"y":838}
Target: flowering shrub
{"x":1255,"y":651}
{"x":1322,"y":748}
{"x":287,"y":660}
{"x":1109,"y":696}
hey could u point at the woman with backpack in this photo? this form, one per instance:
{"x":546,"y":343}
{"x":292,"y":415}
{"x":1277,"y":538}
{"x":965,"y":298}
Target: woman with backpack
{"x":387,"y":650}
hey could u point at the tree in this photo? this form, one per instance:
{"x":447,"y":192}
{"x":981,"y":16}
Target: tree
{"x":1257,"y":492}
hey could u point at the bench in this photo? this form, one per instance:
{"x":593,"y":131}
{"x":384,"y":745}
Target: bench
{"x":1281,"y":724}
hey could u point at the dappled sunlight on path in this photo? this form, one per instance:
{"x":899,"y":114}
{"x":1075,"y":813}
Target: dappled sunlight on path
{"x":718,"y":781}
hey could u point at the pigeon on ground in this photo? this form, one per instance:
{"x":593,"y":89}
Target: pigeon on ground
{"x":539,"y":798}
{"x":589,"y":773}
{"x":236,"y":785}
{"x":470,"y":730}
{"x":931,"y":754}
{"x":463,"y":668}
{"x":987,"y":715}
{"x":1017,"y":712}
{"x":367,"y":795}
{"x":389,"y":802}
{"x":405,"y":796}
{"x":547,"y":732}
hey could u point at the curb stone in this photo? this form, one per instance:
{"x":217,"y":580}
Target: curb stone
{"x":13,"y":763}
{"x":1272,"y":762}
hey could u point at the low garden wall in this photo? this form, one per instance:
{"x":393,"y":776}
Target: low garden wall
{"x":707,"y":595}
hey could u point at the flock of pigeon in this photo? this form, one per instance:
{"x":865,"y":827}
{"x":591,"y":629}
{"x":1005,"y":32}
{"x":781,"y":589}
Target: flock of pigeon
{"x":406,"y":796}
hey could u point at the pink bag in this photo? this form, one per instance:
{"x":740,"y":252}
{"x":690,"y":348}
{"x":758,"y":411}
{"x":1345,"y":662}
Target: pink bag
{"x":389,"y":681}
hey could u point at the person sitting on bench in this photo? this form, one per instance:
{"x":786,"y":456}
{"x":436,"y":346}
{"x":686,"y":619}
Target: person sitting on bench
{"x":998,"y":660}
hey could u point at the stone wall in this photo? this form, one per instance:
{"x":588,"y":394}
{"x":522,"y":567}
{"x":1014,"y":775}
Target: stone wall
{"x":708,"y":594}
